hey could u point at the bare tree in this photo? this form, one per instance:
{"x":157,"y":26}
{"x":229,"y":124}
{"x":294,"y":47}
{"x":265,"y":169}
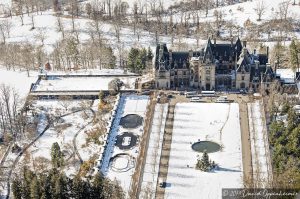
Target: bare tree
{"x":56,"y":6}
{"x":10,"y":121}
{"x":5,"y":28}
{"x":260,"y":9}
{"x":41,"y":36}
{"x":32,"y":22}
{"x":117,"y":30}
{"x":65,"y":101}
{"x":60,"y":26}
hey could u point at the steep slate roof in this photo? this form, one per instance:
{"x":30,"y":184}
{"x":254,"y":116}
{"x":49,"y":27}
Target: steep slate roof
{"x":224,"y":50}
{"x":263,"y":59}
{"x":181,"y":58}
{"x":164,"y":58}
{"x":262,"y":72}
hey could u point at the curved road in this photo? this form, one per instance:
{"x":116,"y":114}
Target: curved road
{"x":75,"y":136}
{"x":29,"y":145}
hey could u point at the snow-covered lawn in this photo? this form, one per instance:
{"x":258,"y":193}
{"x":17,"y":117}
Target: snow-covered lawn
{"x":151,"y":168}
{"x":204,"y":121}
{"x":259,"y":144}
{"x":18,"y":80}
{"x":128,"y":104}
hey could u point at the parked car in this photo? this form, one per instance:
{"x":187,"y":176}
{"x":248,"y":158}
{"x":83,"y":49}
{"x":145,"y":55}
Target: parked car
{"x":162,"y":184}
{"x":195,"y":99}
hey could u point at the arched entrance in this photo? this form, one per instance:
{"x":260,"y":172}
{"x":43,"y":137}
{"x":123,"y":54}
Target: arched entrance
{"x":242,"y":86}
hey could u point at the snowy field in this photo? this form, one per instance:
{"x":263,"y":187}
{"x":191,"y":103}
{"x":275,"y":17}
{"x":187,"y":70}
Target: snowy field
{"x":259,"y":144}
{"x":18,"y":80}
{"x":286,"y":74}
{"x":151,"y":168}
{"x":81,"y":83}
{"x":63,"y":131}
{"x":204,"y":121}
{"x":128,"y":104}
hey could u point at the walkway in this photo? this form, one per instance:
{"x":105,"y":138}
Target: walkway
{"x":166,"y":149}
{"x":262,"y":169}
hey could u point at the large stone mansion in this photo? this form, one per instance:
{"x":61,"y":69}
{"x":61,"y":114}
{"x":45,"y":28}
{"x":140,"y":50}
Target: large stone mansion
{"x":217,"y":66}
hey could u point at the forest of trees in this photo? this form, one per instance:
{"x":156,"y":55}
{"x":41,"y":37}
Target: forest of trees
{"x":139,"y":59}
{"x":149,"y":16}
{"x":55,"y":184}
{"x":12,"y":124}
{"x":284,"y":140}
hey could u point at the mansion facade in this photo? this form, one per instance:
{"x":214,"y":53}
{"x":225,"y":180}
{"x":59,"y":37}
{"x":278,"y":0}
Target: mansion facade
{"x":217,"y":66}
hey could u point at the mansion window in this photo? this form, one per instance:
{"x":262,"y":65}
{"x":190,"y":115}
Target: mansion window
{"x":184,"y":73}
{"x":175,"y":72}
{"x":207,"y":79}
{"x":243,"y":78}
{"x":207,"y":71}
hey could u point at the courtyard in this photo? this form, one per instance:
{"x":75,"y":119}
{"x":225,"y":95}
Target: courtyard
{"x":194,"y":122}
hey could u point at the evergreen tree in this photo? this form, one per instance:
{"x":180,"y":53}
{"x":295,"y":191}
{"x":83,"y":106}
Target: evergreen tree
{"x":204,"y":164}
{"x":101,"y":95}
{"x":292,"y":120}
{"x":205,"y":161}
{"x":78,"y":188}
{"x":45,"y":183}
{"x":35,"y":189}
{"x":112,"y":58}
{"x":27,"y":178}
{"x":97,"y":186}
{"x":141,"y":60}
{"x":149,"y":54}
{"x":132,"y":59}
{"x":17,"y":188}
{"x":56,"y":156}
{"x":294,"y":55}
{"x":61,"y":187}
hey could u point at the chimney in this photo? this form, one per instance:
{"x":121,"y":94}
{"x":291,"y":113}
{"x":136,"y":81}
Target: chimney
{"x":268,"y":52}
{"x":256,"y":64}
{"x":170,"y":55}
{"x":245,"y":51}
{"x":161,"y":51}
{"x":276,"y":64}
{"x":215,"y":42}
{"x":231,"y":42}
{"x":190,"y":53}
{"x":268,"y":66}
{"x":254,"y":51}
{"x":244,"y":43}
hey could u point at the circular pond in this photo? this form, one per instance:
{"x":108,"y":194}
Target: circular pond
{"x":126,"y":141}
{"x":208,"y":146}
{"x":131,"y":121}
{"x":122,"y":162}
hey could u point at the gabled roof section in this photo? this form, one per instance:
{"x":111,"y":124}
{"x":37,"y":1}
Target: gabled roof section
{"x":222,"y":51}
{"x":162,"y":56}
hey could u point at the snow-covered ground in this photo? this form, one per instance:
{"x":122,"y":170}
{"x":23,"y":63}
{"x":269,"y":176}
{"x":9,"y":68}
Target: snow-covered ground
{"x":18,"y":80}
{"x":151,"y":168}
{"x":259,"y":144}
{"x":45,"y":24}
{"x":204,"y":121}
{"x":62,"y":131}
{"x":286,"y":74}
{"x":128,"y":104}
{"x":81,"y":83}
